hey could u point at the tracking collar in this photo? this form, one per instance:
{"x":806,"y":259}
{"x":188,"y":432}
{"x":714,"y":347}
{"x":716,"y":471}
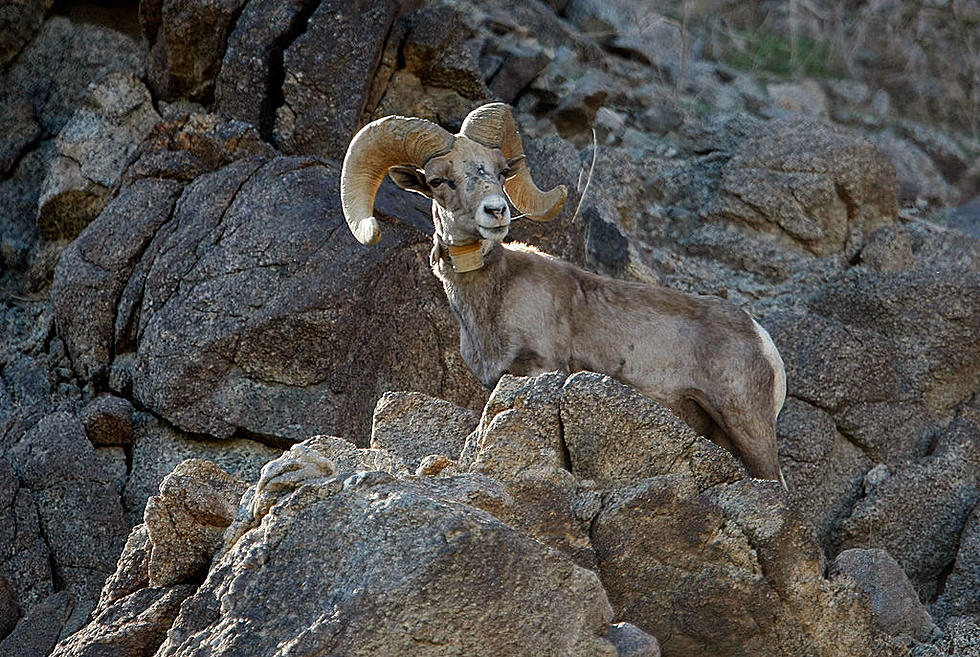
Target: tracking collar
{"x":462,"y":257}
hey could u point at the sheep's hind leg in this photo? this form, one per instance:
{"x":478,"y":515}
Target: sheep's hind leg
{"x":755,"y":444}
{"x":752,"y":442}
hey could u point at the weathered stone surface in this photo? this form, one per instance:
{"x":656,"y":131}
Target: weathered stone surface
{"x":37,"y":633}
{"x":819,"y":186}
{"x":185,"y":145}
{"x":78,"y":507}
{"x":519,"y":65}
{"x":112,"y":119}
{"x":961,"y":638}
{"x":19,"y":21}
{"x":135,"y":626}
{"x":54,"y":70}
{"x":731,"y":570}
{"x":300,"y":464}
{"x":132,"y":570}
{"x":616,"y":436}
{"x":961,"y":595}
{"x":806,"y":97}
{"x":519,"y":430}
{"x":252,"y":67}
{"x":96,"y":267}
{"x":25,"y":561}
{"x":824,"y":471}
{"x":833,"y":365}
{"x":19,"y":128}
{"x":158,"y":449}
{"x":634,"y":30}
{"x":631,"y":641}
{"x":186,"y":40}
{"x":915,"y":513}
{"x":919,"y":181}
{"x":394,"y":585}
{"x":108,"y":421}
{"x":436,"y":51}
{"x":236,"y":321}
{"x":894,"y":603}
{"x":932,"y":319}
{"x":888,"y":249}
{"x":413,"y":426}
{"x":949,"y":156}
{"x":186,"y":521}
{"x":9,"y":609}
{"x":328,"y":71}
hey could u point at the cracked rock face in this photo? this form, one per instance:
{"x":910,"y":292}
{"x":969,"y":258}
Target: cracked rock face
{"x":78,"y":507}
{"x":466,"y":583}
{"x":255,"y":259}
{"x":92,"y":149}
{"x":706,"y":560}
{"x":273,"y":295}
{"x":328,"y":72}
{"x":814,"y":183}
{"x":212,"y":306}
{"x":186,"y":40}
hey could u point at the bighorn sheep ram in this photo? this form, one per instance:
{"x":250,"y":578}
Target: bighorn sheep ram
{"x":524,"y":312}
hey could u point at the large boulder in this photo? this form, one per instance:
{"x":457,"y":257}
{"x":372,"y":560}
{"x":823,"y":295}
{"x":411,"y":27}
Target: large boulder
{"x":202,"y":258}
{"x":186,"y":40}
{"x":79,"y":509}
{"x":819,"y":187}
{"x":327,"y":75}
{"x":113,"y":118}
{"x":895,"y":604}
{"x":19,"y":21}
{"x":25,"y":560}
{"x":881,"y":365}
{"x":687,"y":548}
{"x":918,"y":509}
{"x":413,"y":573}
{"x":724,"y":570}
{"x":95,"y":268}
{"x":256,"y":321}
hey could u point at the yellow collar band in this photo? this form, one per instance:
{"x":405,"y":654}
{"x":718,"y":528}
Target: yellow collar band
{"x":466,"y":257}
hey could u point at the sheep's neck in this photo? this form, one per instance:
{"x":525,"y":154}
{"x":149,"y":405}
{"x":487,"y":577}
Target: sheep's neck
{"x":475,"y":298}
{"x":464,"y":255}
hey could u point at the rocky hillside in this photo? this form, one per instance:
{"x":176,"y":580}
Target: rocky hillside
{"x":226,"y":428}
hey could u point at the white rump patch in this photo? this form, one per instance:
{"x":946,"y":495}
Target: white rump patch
{"x":778,"y":369}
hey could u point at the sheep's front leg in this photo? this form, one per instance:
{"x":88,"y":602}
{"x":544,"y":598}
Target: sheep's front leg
{"x":527,"y":362}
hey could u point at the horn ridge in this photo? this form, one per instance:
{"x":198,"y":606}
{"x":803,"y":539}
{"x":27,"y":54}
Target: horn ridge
{"x":493,"y":126}
{"x":375,"y":148}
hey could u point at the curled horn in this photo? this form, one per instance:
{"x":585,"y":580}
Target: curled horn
{"x":493,"y":126}
{"x":377,"y":146}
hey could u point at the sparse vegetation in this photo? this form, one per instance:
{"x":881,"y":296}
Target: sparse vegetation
{"x":783,"y":56}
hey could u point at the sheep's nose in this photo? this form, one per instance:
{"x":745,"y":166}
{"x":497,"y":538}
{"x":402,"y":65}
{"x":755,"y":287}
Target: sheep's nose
{"x":495,"y":210}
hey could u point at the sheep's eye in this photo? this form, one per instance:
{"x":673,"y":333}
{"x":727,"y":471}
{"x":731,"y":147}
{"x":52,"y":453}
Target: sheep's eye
{"x":436,"y":182}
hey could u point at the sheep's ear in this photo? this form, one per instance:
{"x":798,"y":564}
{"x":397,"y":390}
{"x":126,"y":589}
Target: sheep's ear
{"x":410,"y":178}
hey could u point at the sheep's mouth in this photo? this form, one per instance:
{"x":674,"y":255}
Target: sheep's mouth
{"x":493,"y":232}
